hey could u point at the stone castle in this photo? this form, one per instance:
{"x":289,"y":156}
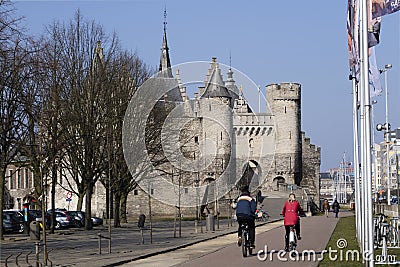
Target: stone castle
{"x":267,"y":151}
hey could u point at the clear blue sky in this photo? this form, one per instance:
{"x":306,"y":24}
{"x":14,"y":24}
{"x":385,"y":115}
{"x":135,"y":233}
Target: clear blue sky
{"x":270,"y":41}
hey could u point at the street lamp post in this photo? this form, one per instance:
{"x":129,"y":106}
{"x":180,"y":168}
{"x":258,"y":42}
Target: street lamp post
{"x":375,"y":188}
{"x":387,"y":130}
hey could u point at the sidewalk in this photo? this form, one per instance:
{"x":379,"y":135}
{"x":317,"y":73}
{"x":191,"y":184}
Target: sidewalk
{"x":316,"y":232}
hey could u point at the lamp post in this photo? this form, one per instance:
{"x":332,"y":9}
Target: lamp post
{"x":387,"y":130}
{"x":375,"y":188}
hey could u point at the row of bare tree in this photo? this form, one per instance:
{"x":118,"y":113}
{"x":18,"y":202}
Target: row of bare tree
{"x":62,"y":103}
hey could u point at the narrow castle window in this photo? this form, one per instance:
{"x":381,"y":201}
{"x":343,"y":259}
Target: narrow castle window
{"x":26,"y":178}
{"x":221,"y":135}
{"x":251,"y":143}
{"x":19,"y":179}
{"x":290,"y":134}
{"x":135,"y":192}
{"x":285,"y":109}
{"x":196,"y":139}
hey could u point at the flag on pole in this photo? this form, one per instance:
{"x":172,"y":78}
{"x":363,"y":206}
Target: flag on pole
{"x":352,"y":33}
{"x":374,"y":81}
{"x":374,"y":28}
{"x":384,"y":7}
{"x":353,"y":27}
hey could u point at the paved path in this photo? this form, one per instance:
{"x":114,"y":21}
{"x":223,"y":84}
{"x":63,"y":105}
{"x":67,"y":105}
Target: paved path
{"x":316,"y":232}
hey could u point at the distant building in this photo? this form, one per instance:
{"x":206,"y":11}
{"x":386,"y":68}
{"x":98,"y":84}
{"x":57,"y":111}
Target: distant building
{"x":327,"y":190}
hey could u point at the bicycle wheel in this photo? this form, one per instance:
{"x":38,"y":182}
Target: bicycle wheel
{"x":244,"y":243}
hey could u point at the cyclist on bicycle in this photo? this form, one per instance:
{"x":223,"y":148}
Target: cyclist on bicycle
{"x":245,"y":212}
{"x":290,"y":212}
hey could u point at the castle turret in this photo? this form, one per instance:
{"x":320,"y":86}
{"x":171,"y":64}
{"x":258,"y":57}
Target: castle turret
{"x":215,"y":86}
{"x":285,"y":103}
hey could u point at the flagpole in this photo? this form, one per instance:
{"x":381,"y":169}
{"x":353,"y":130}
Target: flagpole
{"x":356,"y":158}
{"x":366,"y":142}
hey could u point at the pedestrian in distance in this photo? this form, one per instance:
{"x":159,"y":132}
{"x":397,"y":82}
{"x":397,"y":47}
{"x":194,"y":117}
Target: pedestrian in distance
{"x":326,"y":207}
{"x":336,"y":208}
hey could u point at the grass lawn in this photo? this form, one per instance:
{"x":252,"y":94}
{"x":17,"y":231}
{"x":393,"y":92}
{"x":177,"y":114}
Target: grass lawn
{"x":346,"y":229}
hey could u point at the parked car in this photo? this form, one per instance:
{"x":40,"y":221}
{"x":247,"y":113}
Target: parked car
{"x":13,"y":221}
{"x":62,"y":220}
{"x":97,"y":221}
{"x":77,"y":219}
{"x":81,"y":215}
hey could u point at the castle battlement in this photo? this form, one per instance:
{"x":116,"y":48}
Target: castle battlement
{"x":284,"y":91}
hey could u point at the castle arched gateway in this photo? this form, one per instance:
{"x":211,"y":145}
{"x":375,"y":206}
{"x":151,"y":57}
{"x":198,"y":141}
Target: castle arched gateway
{"x":278,"y":182}
{"x":251,"y":175}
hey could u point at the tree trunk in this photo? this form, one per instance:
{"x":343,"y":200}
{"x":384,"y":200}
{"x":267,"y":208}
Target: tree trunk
{"x":80,"y":202}
{"x":117,"y":217}
{"x":53,"y":196}
{"x":2,"y":183}
{"x":88,"y":208}
{"x":124,"y":198}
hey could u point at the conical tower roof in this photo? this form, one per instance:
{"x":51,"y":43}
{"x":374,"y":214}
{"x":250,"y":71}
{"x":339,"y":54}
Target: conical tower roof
{"x":215,"y":86}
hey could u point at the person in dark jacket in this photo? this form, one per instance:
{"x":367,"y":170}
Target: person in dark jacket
{"x":336,"y":208}
{"x":245,"y":212}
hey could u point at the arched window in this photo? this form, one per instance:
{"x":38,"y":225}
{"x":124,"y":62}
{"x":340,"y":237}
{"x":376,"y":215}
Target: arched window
{"x":251,"y":143}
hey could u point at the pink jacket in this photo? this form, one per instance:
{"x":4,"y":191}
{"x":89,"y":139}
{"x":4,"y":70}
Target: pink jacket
{"x":291,"y":212}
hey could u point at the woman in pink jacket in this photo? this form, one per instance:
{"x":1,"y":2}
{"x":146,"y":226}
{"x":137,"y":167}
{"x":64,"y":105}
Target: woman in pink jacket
{"x":290,"y":212}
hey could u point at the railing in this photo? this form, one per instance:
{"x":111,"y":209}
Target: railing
{"x":37,"y":258}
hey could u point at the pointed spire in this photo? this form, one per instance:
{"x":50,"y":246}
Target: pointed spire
{"x":165,"y":63}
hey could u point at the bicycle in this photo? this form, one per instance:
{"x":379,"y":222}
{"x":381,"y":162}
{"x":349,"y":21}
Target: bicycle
{"x":246,"y":246}
{"x":262,"y":216}
{"x":292,"y":238}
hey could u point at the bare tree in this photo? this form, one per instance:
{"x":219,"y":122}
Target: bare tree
{"x":127,"y":73}
{"x":13,"y":74}
{"x":87,"y":88}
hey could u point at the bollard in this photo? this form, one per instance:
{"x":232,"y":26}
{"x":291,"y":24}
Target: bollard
{"x":37,"y":253}
{"x":99,"y":235}
{"x":141,"y":233}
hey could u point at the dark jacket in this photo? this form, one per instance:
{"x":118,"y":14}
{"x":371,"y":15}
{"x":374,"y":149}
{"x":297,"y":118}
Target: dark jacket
{"x":246,"y":206}
{"x":335,"y":207}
